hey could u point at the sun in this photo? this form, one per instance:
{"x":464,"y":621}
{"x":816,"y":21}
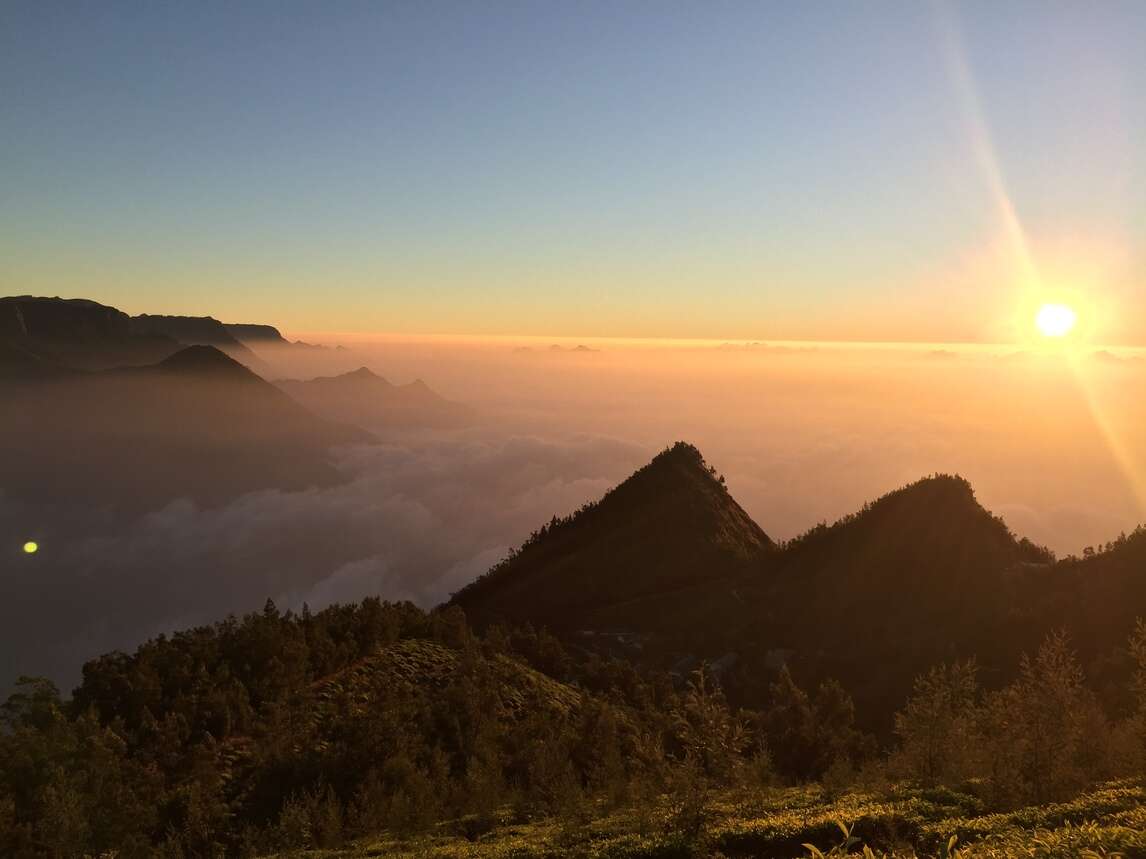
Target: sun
{"x":31,"y":547}
{"x":1055,"y":320}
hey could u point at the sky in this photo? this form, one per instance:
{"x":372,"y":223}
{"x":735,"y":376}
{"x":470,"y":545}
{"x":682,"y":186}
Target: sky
{"x":877,"y":171}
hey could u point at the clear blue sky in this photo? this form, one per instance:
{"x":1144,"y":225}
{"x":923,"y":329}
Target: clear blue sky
{"x":839,"y":169}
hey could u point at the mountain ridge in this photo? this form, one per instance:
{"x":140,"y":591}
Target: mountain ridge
{"x":922,"y":575}
{"x":366,"y":399}
{"x":78,"y":333}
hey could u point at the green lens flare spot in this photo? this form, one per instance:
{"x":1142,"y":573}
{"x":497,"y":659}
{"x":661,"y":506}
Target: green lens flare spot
{"x":31,"y":547}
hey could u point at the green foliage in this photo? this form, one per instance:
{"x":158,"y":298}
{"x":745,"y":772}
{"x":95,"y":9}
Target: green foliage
{"x":324,"y":732}
{"x":936,"y":730}
{"x":808,"y":737}
{"x":802,"y":822}
{"x":1043,"y":735}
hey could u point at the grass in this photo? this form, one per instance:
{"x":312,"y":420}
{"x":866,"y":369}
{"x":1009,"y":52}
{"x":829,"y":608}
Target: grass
{"x":1108,"y":821}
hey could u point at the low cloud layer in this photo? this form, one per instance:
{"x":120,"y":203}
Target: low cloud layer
{"x":412,"y":522}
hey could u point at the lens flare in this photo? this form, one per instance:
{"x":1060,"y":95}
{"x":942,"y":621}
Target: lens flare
{"x":1055,"y":320}
{"x":31,"y":547}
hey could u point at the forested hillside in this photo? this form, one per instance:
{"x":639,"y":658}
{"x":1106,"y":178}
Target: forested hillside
{"x":975,"y":675}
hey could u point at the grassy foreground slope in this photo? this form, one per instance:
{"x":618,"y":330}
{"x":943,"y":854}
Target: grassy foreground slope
{"x":1108,"y":821}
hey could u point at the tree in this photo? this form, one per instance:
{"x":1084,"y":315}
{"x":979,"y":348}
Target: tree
{"x":789,"y":724}
{"x":1137,"y":647}
{"x":807,"y":737}
{"x":712,"y":741}
{"x":1040,"y":734}
{"x":936,"y":728}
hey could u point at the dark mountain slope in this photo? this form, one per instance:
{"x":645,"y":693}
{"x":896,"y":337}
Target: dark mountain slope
{"x":368,"y":400}
{"x":18,"y":364}
{"x":930,"y":544}
{"x":78,"y":333}
{"x":921,"y":576}
{"x":1096,"y":599}
{"x":196,"y":425}
{"x":670,"y":534}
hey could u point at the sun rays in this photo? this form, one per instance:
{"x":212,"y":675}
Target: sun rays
{"x":1056,"y":323}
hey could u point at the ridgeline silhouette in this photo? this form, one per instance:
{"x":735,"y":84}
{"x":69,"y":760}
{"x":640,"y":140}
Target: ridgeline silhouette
{"x":364,"y":398}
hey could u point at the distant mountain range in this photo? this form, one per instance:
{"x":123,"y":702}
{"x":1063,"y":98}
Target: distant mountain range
{"x":196,"y":424}
{"x":366,"y":399}
{"x":89,"y":335}
{"x":101,"y":408}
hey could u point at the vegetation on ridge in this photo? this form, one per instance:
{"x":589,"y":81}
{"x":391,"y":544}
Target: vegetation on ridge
{"x":380,"y":729}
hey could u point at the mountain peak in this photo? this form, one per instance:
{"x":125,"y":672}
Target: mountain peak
{"x":206,"y":361}
{"x":362,"y":373}
{"x":939,"y":507}
{"x":668,"y":529}
{"x":680,"y":453}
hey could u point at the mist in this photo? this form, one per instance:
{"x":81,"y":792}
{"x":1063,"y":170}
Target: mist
{"x":807,"y":432}
{"x":803,"y":433}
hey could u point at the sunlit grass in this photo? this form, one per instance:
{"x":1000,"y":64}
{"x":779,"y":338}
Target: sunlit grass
{"x":898,"y":822}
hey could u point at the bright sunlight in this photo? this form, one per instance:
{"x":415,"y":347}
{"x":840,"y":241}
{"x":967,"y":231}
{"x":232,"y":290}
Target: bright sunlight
{"x":1055,"y":320}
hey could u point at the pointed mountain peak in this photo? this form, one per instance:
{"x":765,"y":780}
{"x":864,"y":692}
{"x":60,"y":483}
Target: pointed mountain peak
{"x":362,"y":373}
{"x":680,"y":467}
{"x":206,"y":361}
{"x":363,"y":379}
{"x":680,"y":453}
{"x":669,"y":529}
